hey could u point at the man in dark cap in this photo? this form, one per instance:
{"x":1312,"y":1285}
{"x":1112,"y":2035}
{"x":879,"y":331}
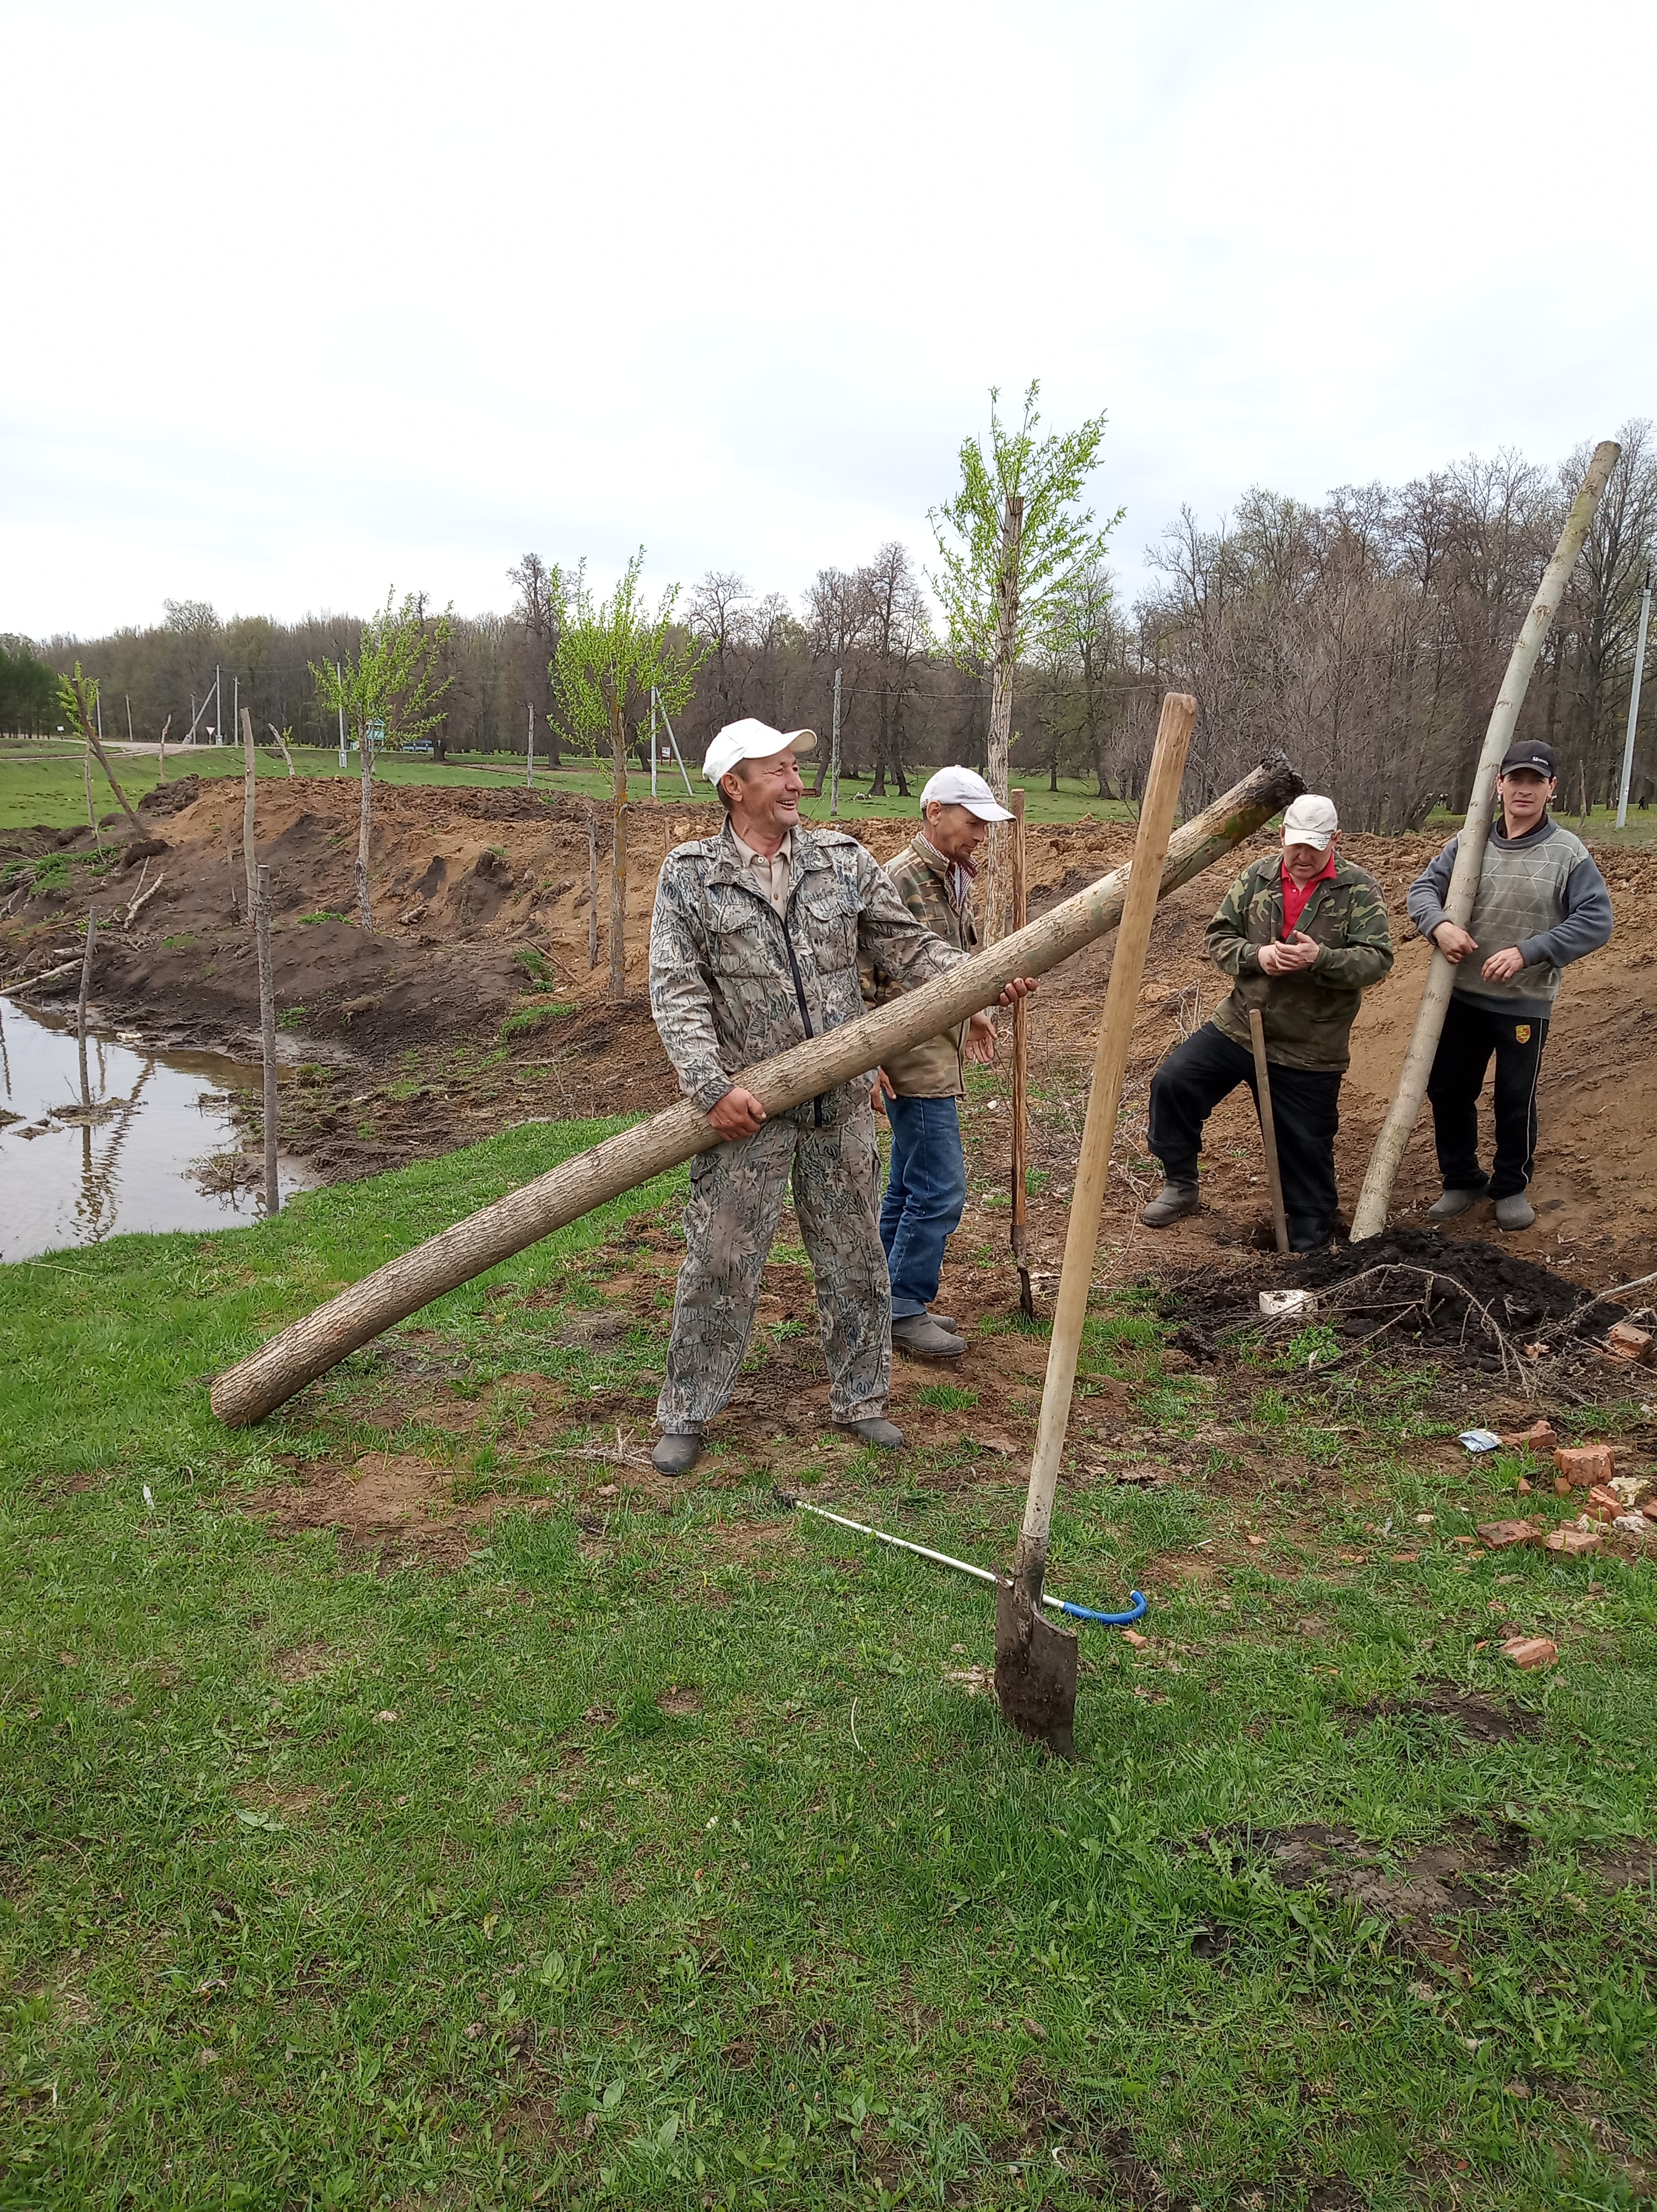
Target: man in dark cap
{"x":1541,"y":904}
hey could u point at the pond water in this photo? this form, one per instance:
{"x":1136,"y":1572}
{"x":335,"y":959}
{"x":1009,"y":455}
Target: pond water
{"x":138,"y":1166}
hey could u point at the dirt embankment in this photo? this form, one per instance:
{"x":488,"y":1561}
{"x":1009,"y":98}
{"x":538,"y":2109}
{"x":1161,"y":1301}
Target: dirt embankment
{"x":482,"y":913}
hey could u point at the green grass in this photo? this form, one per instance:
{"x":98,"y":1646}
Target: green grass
{"x":656,"y":1858}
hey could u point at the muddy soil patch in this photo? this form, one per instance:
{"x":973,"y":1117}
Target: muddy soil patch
{"x":1468,"y":1304}
{"x":1461,"y":1874}
{"x":388,"y":1503}
{"x":1478,"y":1719}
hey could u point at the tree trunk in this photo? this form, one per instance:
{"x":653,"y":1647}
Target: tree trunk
{"x":267,"y":1035}
{"x":618,"y":857}
{"x":365,"y":817}
{"x":592,"y":887}
{"x":997,"y":889}
{"x":270,"y":1376}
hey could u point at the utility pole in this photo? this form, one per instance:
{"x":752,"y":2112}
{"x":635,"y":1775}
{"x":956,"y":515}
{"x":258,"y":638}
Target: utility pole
{"x":128,"y":698}
{"x":1633,"y":704}
{"x":834,"y":755}
{"x":218,"y":705}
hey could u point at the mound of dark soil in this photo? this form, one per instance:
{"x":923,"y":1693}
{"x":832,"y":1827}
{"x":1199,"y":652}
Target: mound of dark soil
{"x":1462,"y":1300}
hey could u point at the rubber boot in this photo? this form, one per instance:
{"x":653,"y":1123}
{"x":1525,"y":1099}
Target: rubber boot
{"x":1452,"y":1203}
{"x":923,"y":1338}
{"x":1171,"y":1203}
{"x":1514,"y":1212}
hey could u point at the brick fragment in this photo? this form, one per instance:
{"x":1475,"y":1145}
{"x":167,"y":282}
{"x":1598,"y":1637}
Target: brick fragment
{"x":1531,"y":1651}
{"x":1499,"y":1534}
{"x":1540,"y":1437}
{"x":1584,"y":1465}
{"x":1573,"y":1542}
{"x":1631,"y":1343}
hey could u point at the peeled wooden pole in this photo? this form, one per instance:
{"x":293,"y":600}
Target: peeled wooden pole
{"x":1369,"y":1216}
{"x":1257,"y":1032}
{"x":269,"y":1377}
{"x":1035,"y":1662}
{"x":80,"y":1006}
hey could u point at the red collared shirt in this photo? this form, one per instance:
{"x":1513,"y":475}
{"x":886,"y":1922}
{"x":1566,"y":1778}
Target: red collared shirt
{"x":1296,"y":899}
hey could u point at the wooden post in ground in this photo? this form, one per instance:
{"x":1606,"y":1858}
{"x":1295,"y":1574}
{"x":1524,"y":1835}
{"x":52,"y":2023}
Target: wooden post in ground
{"x":270,"y":1376}
{"x":1369,"y":1215}
{"x":364,"y":821}
{"x":166,"y":726}
{"x":80,"y":1008}
{"x":249,"y":770}
{"x":267,"y":1036}
{"x":1018,"y":1237}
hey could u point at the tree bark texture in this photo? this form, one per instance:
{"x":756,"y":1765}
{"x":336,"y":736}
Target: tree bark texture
{"x":1369,"y":1216}
{"x":592,"y":889}
{"x":364,"y":822}
{"x":270,"y":1376}
{"x":997,"y":888}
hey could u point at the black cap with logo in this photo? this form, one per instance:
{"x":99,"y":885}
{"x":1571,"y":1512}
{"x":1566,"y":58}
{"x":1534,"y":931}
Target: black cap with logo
{"x":1529,"y":754}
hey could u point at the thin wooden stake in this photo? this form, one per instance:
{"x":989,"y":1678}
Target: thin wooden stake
{"x":281,"y":746}
{"x":1018,"y":1237}
{"x":267,"y":1036}
{"x":249,"y":768}
{"x":1257,"y":1030}
{"x":166,"y":726}
{"x":80,"y":1009}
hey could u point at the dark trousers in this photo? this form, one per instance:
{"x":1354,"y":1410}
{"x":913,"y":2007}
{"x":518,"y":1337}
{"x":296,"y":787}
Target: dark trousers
{"x":1305,"y":1110}
{"x":1471,"y":1034}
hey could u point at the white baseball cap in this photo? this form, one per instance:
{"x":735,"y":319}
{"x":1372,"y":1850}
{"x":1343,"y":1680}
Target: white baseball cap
{"x":749,"y":739}
{"x":965,"y":787}
{"x":1311,"y":820}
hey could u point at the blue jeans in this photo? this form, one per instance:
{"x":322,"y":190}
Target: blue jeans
{"x":924,"y":1196}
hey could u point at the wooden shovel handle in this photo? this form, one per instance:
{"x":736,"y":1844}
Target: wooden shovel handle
{"x":1156,"y":814}
{"x":1257,"y":1030}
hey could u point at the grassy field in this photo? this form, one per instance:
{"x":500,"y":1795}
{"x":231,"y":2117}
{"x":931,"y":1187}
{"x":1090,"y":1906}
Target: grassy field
{"x":667,"y":1857}
{"x":38,"y":787}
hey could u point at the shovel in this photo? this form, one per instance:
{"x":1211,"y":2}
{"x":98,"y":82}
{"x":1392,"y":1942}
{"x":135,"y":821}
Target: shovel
{"x":1035,"y":1662}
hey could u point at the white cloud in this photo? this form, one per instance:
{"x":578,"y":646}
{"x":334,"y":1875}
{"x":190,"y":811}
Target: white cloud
{"x":332,"y":298}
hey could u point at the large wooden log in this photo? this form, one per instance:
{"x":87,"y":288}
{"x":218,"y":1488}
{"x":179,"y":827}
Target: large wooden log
{"x":267,"y":1379}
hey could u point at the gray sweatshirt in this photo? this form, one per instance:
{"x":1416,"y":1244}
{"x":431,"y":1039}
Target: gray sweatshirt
{"x":1541,"y":893}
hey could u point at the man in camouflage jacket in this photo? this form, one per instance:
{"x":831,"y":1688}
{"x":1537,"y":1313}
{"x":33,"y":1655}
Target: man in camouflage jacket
{"x":1302,"y":935}
{"x":754,"y":945}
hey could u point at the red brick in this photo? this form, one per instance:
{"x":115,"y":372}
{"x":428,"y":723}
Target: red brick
{"x":1585,"y":1465}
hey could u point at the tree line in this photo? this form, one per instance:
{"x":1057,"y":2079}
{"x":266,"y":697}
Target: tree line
{"x":1365,"y":633}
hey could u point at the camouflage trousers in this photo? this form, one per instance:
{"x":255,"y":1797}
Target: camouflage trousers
{"x":736,"y":1197}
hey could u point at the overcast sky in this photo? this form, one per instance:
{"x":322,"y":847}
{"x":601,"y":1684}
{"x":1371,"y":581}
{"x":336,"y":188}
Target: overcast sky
{"x":311,"y":302}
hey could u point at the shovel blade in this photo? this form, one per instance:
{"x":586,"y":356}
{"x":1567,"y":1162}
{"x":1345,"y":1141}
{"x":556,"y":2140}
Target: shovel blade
{"x":1035,"y":1673}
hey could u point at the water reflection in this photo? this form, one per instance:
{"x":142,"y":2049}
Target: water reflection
{"x":136,"y":1161}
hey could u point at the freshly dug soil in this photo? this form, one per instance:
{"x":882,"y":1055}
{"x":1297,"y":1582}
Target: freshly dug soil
{"x":1450,"y":1298}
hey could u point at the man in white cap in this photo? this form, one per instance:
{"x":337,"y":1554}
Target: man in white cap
{"x":754,"y":945}
{"x":926,"y":1190}
{"x":1302,"y":936}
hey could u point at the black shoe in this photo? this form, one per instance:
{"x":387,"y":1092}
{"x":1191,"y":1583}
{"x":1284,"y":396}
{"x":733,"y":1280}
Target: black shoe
{"x":677,"y":1452}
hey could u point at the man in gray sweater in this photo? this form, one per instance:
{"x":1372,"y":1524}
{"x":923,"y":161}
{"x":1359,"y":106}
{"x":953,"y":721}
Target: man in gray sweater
{"x":1541,"y":904}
